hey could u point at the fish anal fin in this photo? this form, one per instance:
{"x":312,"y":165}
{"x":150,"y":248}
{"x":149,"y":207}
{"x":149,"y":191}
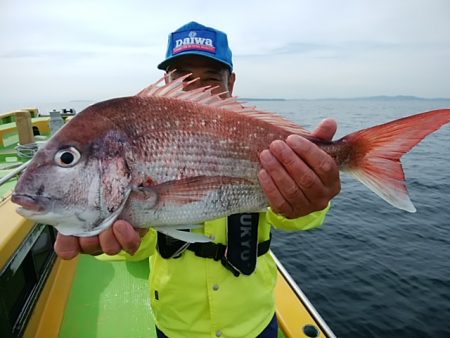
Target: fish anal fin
{"x":185,"y":236}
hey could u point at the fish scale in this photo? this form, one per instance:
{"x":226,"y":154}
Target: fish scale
{"x":226,"y":157}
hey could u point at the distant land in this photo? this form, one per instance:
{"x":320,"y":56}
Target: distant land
{"x":372,"y":98}
{"x":81,"y":101}
{"x":388,"y":97}
{"x":260,"y":99}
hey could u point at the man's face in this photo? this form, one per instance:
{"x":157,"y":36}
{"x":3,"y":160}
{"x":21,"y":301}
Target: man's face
{"x":209,"y":72}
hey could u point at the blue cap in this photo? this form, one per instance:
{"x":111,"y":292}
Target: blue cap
{"x":196,"y":39}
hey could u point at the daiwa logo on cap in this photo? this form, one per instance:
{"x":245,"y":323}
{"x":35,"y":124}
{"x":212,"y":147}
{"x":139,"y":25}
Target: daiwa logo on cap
{"x":201,"y":40}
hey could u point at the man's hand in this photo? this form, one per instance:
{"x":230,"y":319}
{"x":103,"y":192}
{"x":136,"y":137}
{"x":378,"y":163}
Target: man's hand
{"x":121,"y":236}
{"x":297,"y":176}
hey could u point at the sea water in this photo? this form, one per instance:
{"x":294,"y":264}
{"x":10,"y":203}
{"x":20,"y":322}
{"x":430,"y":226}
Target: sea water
{"x":372,"y":270}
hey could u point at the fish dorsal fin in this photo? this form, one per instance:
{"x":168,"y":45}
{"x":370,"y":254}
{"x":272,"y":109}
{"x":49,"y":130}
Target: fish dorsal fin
{"x":175,"y":89}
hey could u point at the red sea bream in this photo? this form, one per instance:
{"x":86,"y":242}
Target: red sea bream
{"x":172,"y":159}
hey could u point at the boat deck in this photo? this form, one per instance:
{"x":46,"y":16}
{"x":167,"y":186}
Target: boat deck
{"x":112,"y":302}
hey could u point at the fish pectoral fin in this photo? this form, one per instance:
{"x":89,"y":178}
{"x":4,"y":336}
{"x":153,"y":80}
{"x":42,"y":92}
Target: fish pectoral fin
{"x":193,"y":189}
{"x":190,"y":237}
{"x":146,"y":193}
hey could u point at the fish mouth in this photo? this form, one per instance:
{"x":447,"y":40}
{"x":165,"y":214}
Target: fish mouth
{"x":35,"y":204}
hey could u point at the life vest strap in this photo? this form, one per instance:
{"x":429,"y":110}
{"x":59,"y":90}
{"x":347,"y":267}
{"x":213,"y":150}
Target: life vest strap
{"x":217,"y":252}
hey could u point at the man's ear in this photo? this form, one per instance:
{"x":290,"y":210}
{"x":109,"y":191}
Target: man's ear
{"x":231,"y":80}
{"x":166,"y":77}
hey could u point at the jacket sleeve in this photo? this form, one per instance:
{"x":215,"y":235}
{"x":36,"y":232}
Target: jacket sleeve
{"x":146,"y":249}
{"x":306,"y":222}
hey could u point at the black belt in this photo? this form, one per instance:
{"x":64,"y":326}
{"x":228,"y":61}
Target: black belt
{"x":217,"y":252}
{"x":239,"y":255}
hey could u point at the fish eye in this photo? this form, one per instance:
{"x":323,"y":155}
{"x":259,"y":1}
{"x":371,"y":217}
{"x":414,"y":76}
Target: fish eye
{"x":67,"y":157}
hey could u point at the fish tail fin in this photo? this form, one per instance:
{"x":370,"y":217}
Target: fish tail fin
{"x":376,"y":152}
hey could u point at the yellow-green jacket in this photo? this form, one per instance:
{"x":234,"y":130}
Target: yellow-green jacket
{"x":199,"y":297}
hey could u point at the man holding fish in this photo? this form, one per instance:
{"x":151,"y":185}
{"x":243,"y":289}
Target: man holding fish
{"x":210,"y":177}
{"x":193,"y":294}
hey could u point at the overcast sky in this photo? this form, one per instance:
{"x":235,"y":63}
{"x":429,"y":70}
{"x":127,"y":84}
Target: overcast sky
{"x":57,"y":51}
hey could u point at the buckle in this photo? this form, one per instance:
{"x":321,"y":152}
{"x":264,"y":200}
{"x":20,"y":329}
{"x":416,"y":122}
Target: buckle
{"x":229,"y":266}
{"x":220,"y":252}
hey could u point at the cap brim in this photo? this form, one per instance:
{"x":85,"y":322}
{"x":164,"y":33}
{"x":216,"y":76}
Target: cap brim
{"x":163,"y":65}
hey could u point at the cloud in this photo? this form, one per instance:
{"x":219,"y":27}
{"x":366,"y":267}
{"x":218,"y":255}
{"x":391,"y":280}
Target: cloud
{"x":55,"y":50}
{"x":68,"y":55}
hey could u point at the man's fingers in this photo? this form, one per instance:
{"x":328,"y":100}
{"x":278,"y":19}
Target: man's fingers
{"x":277,"y":202}
{"x":279,"y":176}
{"x":108,"y":242}
{"x":321,"y":164}
{"x":326,"y":129}
{"x":121,"y":236}
{"x":127,"y":236}
{"x":299,"y":173}
{"x":142,"y":232}
{"x":66,"y":247}
{"x":90,"y":245}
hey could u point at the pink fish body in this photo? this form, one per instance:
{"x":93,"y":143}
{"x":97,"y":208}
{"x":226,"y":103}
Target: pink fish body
{"x":173,"y":159}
